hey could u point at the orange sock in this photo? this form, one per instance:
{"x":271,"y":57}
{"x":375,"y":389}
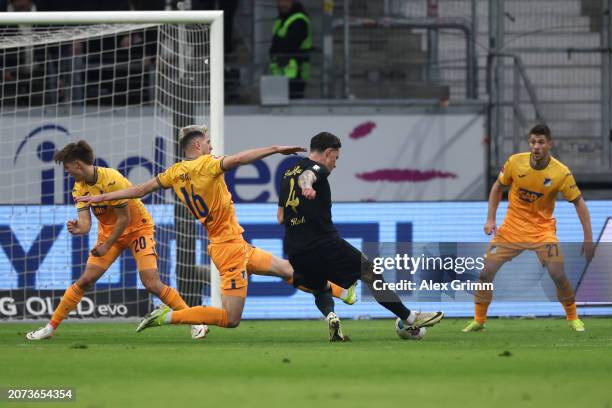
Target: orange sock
{"x":480,"y":312}
{"x":567,"y":298}
{"x":337,"y":291}
{"x":172,"y":298}
{"x":69,"y":302}
{"x":200,"y":315}
{"x":570,"y":311}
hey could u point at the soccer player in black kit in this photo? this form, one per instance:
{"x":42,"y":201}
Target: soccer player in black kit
{"x":316,"y":251}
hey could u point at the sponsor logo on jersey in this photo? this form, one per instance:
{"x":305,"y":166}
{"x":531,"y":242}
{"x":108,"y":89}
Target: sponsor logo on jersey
{"x":547,"y":182}
{"x":99,"y":209}
{"x":522,"y":175}
{"x":529,"y":196}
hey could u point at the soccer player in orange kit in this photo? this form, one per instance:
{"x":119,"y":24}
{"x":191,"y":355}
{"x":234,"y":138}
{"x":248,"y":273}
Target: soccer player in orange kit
{"x":535,"y":178}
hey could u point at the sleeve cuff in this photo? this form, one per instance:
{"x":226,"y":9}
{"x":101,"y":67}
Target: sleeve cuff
{"x":502,"y":182}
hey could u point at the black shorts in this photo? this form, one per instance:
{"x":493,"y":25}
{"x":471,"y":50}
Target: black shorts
{"x":336,"y":261}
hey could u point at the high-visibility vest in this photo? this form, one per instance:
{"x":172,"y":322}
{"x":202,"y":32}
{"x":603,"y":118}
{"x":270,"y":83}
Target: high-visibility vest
{"x":293,"y":69}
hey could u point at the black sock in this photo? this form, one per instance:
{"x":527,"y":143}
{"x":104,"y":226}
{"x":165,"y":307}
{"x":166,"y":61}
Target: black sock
{"x":324,"y":301}
{"x":389,"y":300}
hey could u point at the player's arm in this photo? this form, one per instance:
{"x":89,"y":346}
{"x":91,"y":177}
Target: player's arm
{"x":249,"y":156}
{"x":305,"y":181}
{"x":137,"y":191}
{"x":280,"y":215}
{"x":495,"y":197}
{"x":123,"y":220}
{"x":585,"y":219}
{"x":82,"y":225}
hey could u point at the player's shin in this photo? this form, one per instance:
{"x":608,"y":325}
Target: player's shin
{"x":69,"y":302}
{"x":482,"y":300}
{"x":199,"y":315}
{"x":565,"y":294}
{"x":172,"y":298}
{"x":385,"y":297}
{"x":324,"y":301}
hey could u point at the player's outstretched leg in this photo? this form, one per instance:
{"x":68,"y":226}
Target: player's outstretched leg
{"x":168,"y":295}
{"x":70,"y":300}
{"x":565,"y":295}
{"x":265,"y":264}
{"x":196,"y":315}
{"x":229,"y":316}
{"x":483,"y":298}
{"x":391,"y":301}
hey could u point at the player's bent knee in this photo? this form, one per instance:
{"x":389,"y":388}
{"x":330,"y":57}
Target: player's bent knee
{"x":233,"y":321}
{"x":486,"y":276}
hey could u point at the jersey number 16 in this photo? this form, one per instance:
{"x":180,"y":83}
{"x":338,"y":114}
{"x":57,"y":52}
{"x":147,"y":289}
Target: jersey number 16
{"x":196,"y":203}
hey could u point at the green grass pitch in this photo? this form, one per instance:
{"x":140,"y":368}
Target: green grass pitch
{"x":516,"y":363}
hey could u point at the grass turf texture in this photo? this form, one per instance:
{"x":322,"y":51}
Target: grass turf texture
{"x":526,"y":363}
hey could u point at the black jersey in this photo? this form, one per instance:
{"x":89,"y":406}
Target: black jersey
{"x":308,"y":223}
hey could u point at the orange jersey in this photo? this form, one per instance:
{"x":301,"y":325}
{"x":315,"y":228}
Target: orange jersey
{"x":532,"y":197}
{"x":200,"y":185}
{"x":108,"y":180}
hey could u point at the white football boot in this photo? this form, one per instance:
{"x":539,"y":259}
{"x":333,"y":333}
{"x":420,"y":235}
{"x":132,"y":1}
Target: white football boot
{"x":199,"y":331}
{"x":41,"y":334}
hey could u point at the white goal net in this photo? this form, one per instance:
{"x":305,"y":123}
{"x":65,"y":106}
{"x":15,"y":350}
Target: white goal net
{"x":125,"y":83}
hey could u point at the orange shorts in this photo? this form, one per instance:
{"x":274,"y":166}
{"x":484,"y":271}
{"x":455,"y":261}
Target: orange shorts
{"x":503,"y":250}
{"x":140,"y":242}
{"x":234,"y":260}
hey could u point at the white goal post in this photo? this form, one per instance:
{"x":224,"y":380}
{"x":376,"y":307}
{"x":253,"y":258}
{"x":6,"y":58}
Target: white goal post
{"x":53,"y":30}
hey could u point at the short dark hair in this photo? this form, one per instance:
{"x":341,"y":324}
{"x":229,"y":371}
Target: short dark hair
{"x":80,"y":150}
{"x":324,"y":140}
{"x":188,"y":133}
{"x":541,"y":129}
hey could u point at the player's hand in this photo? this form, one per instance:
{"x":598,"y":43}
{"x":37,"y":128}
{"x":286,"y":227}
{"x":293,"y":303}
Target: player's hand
{"x":309,"y":193}
{"x":286,"y":150}
{"x":100,"y":249}
{"x":490,"y":227}
{"x":90,"y":199}
{"x":588,"y":250}
{"x":73,"y":227}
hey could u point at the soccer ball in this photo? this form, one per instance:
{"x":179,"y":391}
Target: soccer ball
{"x":409,"y":333}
